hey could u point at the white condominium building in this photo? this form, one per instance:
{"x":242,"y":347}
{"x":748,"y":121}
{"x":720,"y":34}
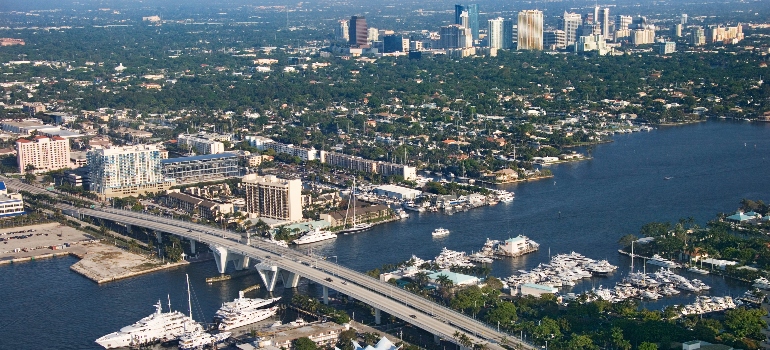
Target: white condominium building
{"x":200,"y":144}
{"x":273,"y":198}
{"x":126,"y":171}
{"x":530,"y":28}
{"x":41,"y":154}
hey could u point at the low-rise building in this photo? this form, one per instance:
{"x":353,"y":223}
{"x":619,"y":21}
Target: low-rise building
{"x":201,"y":144}
{"x":536,"y":290}
{"x":10,"y":204}
{"x":197,"y":206}
{"x":363,"y":213}
{"x":208,"y":167}
{"x":398,"y":192}
{"x":457,"y":279}
{"x":323,"y":334}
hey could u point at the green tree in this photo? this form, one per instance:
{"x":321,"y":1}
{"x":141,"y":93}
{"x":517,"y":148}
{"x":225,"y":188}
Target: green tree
{"x":582,"y":342}
{"x":305,"y":343}
{"x":648,"y":346}
{"x":743,"y":322}
{"x":504,"y":313}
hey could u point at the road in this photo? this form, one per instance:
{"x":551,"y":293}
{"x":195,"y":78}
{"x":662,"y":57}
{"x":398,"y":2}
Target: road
{"x":428,"y":315}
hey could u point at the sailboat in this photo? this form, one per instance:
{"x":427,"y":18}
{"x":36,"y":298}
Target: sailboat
{"x":356,"y":228}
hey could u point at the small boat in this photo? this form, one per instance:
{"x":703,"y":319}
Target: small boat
{"x":440,"y":232}
{"x":698,"y":271}
{"x":668,"y":178}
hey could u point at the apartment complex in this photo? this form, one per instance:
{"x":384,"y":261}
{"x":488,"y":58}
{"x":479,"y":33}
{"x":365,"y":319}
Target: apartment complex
{"x":273,"y":198}
{"x":500,"y":33}
{"x":208,"y":167}
{"x":197,"y":206}
{"x":200,"y":144}
{"x":530,"y":30}
{"x":42,"y":154}
{"x":126,"y":171}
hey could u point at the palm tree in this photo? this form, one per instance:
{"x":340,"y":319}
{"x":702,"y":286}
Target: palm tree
{"x":421,"y":278}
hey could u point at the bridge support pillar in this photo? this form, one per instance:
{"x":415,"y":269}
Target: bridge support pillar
{"x":377,"y":316}
{"x":268,"y":274}
{"x":158,"y":236}
{"x":290,"y":279}
{"x":128,"y":228}
{"x":192,"y":246}
{"x":326,"y":295}
{"x":437,"y":339}
{"x":222,"y":256}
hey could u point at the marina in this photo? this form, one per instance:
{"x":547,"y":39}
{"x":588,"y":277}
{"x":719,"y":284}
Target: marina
{"x":571,"y":215}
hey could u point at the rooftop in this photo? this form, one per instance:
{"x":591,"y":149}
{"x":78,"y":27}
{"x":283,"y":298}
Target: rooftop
{"x":199,"y":158}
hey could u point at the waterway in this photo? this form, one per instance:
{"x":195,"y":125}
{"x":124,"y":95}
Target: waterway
{"x":586,"y":208}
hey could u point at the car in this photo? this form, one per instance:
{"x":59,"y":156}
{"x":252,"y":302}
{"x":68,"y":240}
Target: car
{"x":328,"y":279}
{"x":413,"y":316}
{"x":344,"y":282}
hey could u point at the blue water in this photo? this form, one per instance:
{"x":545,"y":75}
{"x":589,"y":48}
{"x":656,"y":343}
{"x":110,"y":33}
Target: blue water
{"x":586,"y":208}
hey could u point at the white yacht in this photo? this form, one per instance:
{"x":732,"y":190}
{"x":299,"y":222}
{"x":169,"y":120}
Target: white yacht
{"x":315,"y":236}
{"x":698,"y":271}
{"x":241,"y":303}
{"x":245,"y":317}
{"x":440,"y":232}
{"x":660,"y":261}
{"x":158,"y":327}
{"x":410,"y":205}
{"x":360,"y":227}
{"x":402,"y":214}
{"x":200,"y":339}
{"x":761,"y":283}
{"x":504,"y":196}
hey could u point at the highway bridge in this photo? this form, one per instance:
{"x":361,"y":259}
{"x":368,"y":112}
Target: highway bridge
{"x":290,"y":264}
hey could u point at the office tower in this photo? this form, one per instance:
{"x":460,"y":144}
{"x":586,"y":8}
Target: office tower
{"x":622,"y":22}
{"x":554,"y":39}
{"x":274,"y":198}
{"x":683,"y":19}
{"x":570,"y":24}
{"x":642,"y":32}
{"x":604,"y":17}
{"x":596,"y":18}
{"x":126,"y":171}
{"x":341,"y":31}
{"x":530,"y":30}
{"x":666,"y":47}
{"x":358,"y":33}
{"x":42,"y":154}
{"x":372,"y":34}
{"x":455,"y":36}
{"x":678,"y":30}
{"x":393,"y":43}
{"x":698,"y":37}
{"x":500,"y":33}
{"x":473,"y":17}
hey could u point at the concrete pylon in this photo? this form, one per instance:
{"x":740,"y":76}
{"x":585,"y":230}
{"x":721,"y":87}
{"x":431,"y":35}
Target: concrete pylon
{"x":268,"y":274}
{"x":377,"y":316}
{"x":192,"y":246}
{"x":159,"y":237}
{"x":222,"y":256}
{"x":289,"y":279}
{"x":437,"y":339}
{"x":326,"y":295}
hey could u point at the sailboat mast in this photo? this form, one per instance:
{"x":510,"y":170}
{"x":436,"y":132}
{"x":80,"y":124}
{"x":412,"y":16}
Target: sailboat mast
{"x":353,"y":194}
{"x":189,"y":301}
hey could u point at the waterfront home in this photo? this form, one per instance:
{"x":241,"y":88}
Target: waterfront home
{"x":457,"y":279}
{"x":504,"y":175}
{"x":383,"y":344}
{"x":740,"y":216}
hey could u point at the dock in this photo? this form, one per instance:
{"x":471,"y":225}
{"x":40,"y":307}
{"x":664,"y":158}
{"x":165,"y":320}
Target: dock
{"x":227,"y":277}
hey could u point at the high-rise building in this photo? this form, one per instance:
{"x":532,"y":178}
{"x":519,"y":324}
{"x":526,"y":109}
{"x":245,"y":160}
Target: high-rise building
{"x":126,"y":171}
{"x":341,"y":30}
{"x":372,"y":35}
{"x":273,"y":198}
{"x":591,"y":43}
{"x":530,"y":30}
{"x":622,"y":22}
{"x":473,"y":18}
{"x":667,"y":47}
{"x":500,"y":33}
{"x":683,"y":19}
{"x":678,"y":30}
{"x":570,"y":23}
{"x":393,"y":43}
{"x":596,"y":19}
{"x":455,"y":36}
{"x":604,"y":17}
{"x":698,"y":37}
{"x":554,"y":39}
{"x":358,"y":32}
{"x":42,"y":154}
{"x":642,"y":32}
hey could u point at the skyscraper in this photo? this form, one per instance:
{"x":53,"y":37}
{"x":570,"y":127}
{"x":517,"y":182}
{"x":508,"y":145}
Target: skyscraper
{"x":683,"y":19}
{"x":341,"y":31}
{"x":455,"y":36}
{"x":604,"y":16}
{"x":358,"y":32}
{"x":530,"y":30}
{"x":596,"y":19}
{"x":500,"y":33}
{"x":473,"y":17}
{"x":570,"y":24}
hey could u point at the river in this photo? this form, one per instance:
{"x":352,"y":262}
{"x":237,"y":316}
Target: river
{"x":585,"y":208}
